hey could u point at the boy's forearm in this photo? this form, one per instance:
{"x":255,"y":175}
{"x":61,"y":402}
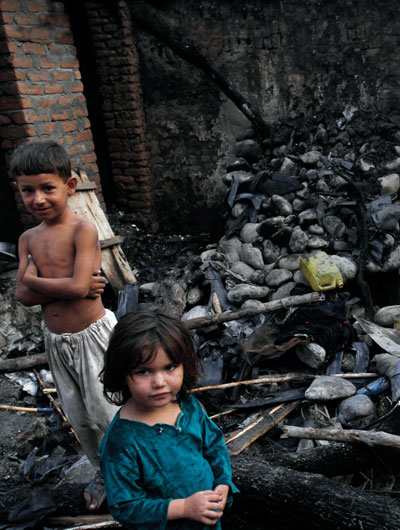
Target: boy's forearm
{"x":57,"y":288}
{"x":30,"y":297}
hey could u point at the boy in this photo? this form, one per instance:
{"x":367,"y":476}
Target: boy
{"x":59,"y":268}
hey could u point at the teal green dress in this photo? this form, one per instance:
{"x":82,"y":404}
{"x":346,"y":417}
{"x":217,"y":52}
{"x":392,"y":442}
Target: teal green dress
{"x":145,"y":467}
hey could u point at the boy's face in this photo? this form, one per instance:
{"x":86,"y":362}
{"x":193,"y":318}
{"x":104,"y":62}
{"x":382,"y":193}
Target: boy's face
{"x":45,"y":195}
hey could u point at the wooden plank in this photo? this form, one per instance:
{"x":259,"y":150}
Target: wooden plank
{"x":262,"y":425}
{"x":110,"y":242}
{"x":86,"y":186}
{"x":114,"y":263}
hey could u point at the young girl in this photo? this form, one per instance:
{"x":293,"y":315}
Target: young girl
{"x":164,"y":461}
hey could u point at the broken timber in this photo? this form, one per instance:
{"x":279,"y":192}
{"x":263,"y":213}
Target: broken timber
{"x":267,"y":307}
{"x":114,"y":263}
{"x":260,"y":426}
{"x":348,"y":435}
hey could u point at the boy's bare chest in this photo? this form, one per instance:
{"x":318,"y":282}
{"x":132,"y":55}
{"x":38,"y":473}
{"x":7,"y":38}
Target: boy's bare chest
{"x":53,"y":248}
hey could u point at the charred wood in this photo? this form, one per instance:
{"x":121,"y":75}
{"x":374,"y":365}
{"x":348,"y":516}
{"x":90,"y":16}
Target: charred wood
{"x":324,"y":503}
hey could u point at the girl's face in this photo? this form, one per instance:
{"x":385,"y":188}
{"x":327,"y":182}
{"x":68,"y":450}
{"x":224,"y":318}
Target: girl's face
{"x":155,"y":384}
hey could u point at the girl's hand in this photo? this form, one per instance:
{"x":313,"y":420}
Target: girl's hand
{"x":204,"y":506}
{"x":222,"y":489}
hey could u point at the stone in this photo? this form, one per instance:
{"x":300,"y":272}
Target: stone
{"x":290,"y":262}
{"x":248,"y":149}
{"x":334,"y":225}
{"x":316,"y":230}
{"x":243,"y":269}
{"x":317,"y":242}
{"x":252,"y":256}
{"x":248,"y":233}
{"x":243,"y":292}
{"x":238,"y":208}
{"x":393,"y":260}
{"x":298,"y":240}
{"x":387,"y":316}
{"x":277,"y":277}
{"x":283,"y":291}
{"x":193,"y":296}
{"x":311,"y":354}
{"x":242,"y":176}
{"x":310,"y":158}
{"x":271,"y":252}
{"x":393,"y":165}
{"x":347,"y":267}
{"x":231,"y":248}
{"x":198,"y":311}
{"x":281,"y":205}
{"x":308,"y":217}
{"x":288,"y":167}
{"x":357,"y":407}
{"x":389,"y":184}
{"x":329,"y":388}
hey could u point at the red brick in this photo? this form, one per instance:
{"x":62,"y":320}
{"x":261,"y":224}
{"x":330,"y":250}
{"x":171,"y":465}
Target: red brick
{"x":76,"y":87}
{"x":65,"y":101}
{"x":18,"y":132}
{"x":53,"y":89}
{"x":28,"y":117}
{"x":40,"y":34}
{"x":45,"y":63}
{"x":21,"y":62}
{"x":11,"y":5}
{"x":89,"y":158}
{"x":48,"y":128}
{"x":61,"y":75}
{"x":64,"y":37}
{"x":61,"y":21}
{"x":4,"y":119}
{"x":27,"y":20}
{"x":24,"y":88}
{"x":38,"y":76}
{"x":14,"y":32}
{"x":69,"y":126}
{"x":34,"y":47}
{"x":46,"y":102}
{"x":84,"y":136}
{"x":60,"y":116}
{"x":35,"y":7}
{"x":79,"y":112}
{"x":70,"y":63}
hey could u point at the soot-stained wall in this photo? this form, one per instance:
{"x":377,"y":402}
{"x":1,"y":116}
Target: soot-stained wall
{"x":288,"y":58}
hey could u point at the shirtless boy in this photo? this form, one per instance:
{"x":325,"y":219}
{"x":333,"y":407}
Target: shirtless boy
{"x":59,"y":268}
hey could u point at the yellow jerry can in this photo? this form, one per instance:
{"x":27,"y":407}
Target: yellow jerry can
{"x":321,"y":273}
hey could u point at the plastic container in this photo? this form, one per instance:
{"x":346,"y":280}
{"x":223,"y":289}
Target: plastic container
{"x":375,"y":387}
{"x":320,"y":272}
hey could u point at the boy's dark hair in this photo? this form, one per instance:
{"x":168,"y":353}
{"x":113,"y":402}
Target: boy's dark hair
{"x":33,"y":158}
{"x":135,"y":340}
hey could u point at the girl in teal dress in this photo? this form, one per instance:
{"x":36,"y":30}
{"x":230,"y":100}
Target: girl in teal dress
{"x":164,"y":461}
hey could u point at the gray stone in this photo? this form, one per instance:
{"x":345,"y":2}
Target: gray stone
{"x":231,"y":248}
{"x":316,"y":230}
{"x":252,"y":256}
{"x":393,"y":165}
{"x":238,"y":208}
{"x":347,"y":266}
{"x":333,"y":225}
{"x":281,"y":205}
{"x":393,"y":260}
{"x":357,"y":407}
{"x":199,"y":311}
{"x":299,"y":277}
{"x":243,"y":269}
{"x":310,"y":158}
{"x":387,"y":316}
{"x":298,"y":240}
{"x":283,"y":291}
{"x":290,"y":262}
{"x":304,"y":193}
{"x":243,"y":291}
{"x":322,"y":186}
{"x":249,"y":149}
{"x":271,"y":252}
{"x":248,"y":233}
{"x":288,"y":167}
{"x":193,"y":296}
{"x":329,"y":388}
{"x":316,"y":242}
{"x":311,"y":354}
{"x":298,"y":204}
{"x":389,"y":184}
{"x":277,"y":277}
{"x":308,"y":217}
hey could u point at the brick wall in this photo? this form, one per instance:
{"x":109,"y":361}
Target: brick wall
{"x":121,"y":95}
{"x":42,"y":92}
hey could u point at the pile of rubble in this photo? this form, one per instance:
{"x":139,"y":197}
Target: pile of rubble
{"x":301,"y":370}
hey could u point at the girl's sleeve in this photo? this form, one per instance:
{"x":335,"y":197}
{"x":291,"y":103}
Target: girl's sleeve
{"x":128,"y":502}
{"x":216,"y":453}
